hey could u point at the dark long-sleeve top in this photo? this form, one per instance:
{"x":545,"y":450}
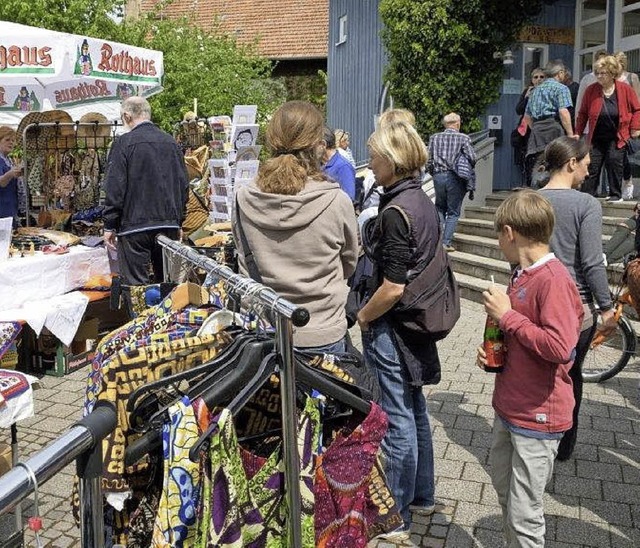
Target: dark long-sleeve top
{"x":522,"y":103}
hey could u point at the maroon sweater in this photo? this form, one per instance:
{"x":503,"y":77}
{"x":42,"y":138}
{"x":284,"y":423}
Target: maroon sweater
{"x":628,"y":109}
{"x":541,"y":332}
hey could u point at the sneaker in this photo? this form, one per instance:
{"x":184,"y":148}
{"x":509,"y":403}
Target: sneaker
{"x":449,"y":248}
{"x":422,"y":510}
{"x":614,"y":199}
{"x":399,"y":535}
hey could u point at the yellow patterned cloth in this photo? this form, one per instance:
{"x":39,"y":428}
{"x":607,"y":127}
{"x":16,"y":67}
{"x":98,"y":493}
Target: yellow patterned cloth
{"x":175,"y":525}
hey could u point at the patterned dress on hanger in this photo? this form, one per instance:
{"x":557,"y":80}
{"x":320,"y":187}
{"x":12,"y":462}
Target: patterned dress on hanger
{"x":175,"y":525}
{"x":344,"y":509}
{"x":248,"y":507}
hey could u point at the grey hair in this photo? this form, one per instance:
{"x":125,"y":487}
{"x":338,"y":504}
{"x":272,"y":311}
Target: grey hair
{"x":552,"y":68}
{"x":136,"y":107}
{"x":450,"y":119}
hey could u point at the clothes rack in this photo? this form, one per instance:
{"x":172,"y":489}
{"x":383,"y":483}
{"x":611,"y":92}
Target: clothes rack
{"x":45,"y":140}
{"x":286,"y":316}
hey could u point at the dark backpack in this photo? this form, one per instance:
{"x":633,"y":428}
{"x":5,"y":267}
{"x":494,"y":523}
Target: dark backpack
{"x":430,"y":303}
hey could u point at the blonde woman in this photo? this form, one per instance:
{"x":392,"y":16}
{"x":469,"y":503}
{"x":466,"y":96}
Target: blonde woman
{"x":300,"y":227}
{"x":403,"y":362}
{"x":9,"y":174}
{"x":612,"y":110}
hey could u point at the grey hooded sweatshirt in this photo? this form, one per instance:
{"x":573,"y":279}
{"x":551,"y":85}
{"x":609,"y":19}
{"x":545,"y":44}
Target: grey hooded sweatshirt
{"x":305,"y":247}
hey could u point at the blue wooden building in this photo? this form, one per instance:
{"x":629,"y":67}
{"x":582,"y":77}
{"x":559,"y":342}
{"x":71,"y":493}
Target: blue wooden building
{"x":571,"y":30}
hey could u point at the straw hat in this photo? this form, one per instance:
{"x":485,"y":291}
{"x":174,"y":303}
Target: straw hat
{"x":62,"y":136}
{"x":95,"y":135}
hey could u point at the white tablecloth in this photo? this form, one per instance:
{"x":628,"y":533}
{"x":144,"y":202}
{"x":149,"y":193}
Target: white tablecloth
{"x":18,"y":402}
{"x":38,"y":277}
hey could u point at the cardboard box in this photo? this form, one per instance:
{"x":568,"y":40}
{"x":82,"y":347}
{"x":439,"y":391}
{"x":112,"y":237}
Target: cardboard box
{"x":6,"y":462}
{"x":9,"y":359}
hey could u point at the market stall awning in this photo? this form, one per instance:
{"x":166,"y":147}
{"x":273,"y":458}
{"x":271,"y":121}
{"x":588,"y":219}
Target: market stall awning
{"x":42,"y":69}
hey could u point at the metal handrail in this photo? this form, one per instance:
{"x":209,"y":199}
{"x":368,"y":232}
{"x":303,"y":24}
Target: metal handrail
{"x":82,"y":442}
{"x":287,"y":315}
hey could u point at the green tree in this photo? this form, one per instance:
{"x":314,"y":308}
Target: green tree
{"x":441,"y":54}
{"x":91,"y":17}
{"x":206,"y":65}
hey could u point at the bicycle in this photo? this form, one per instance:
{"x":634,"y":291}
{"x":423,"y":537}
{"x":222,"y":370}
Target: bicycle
{"x":609,"y":354}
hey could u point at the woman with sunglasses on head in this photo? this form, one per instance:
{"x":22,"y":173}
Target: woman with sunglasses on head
{"x":342,"y":144}
{"x":577,"y":242}
{"x":612,"y":110}
{"x":520,"y":135}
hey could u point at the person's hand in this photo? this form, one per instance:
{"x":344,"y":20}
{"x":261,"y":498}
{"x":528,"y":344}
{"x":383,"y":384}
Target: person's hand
{"x":607,"y":322}
{"x":16,"y":170}
{"x":364,"y":325}
{"x":635,"y":134}
{"x":481,"y":357}
{"x":110,"y":239}
{"x":471,"y":195}
{"x":496,"y":302}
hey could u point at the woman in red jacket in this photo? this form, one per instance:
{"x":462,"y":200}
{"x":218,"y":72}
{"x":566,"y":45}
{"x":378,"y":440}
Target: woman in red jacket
{"x":612,"y":110}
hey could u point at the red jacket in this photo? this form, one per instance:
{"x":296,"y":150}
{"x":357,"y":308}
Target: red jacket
{"x":541,"y":332}
{"x":628,"y":108}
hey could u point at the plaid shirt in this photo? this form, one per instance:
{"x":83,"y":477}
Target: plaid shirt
{"x":547,"y":99}
{"x":444,"y":147}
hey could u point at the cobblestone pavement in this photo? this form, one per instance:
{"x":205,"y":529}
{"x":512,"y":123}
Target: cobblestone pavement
{"x":592,"y":500}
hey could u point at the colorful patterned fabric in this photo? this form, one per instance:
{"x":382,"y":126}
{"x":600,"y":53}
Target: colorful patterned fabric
{"x":342,"y":481}
{"x":122,"y":374}
{"x":175,"y":525}
{"x":12,"y":384}
{"x":250,"y":510}
{"x":152,"y":320}
{"x":9,"y":332}
{"x":130,"y":369}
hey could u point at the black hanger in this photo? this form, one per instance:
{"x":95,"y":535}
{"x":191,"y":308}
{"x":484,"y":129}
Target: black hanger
{"x":226,"y":354}
{"x":250,"y":352}
{"x":255,"y":380}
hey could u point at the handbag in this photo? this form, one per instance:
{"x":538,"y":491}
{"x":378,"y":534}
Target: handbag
{"x":633,"y":146}
{"x":430,"y":303}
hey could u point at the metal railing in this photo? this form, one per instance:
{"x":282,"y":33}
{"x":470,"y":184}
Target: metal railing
{"x":83,"y":443}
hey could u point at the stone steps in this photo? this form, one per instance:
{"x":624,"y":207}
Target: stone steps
{"x":478,"y":255}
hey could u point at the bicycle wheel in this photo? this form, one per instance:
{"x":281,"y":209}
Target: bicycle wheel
{"x":607,"y":359}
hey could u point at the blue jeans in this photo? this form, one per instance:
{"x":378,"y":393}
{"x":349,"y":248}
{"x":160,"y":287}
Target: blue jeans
{"x":450,"y":191}
{"x":338,"y":347}
{"x":408,"y":446}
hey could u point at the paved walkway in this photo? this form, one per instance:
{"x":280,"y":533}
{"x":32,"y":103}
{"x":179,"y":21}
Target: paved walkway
{"x":593,"y":499}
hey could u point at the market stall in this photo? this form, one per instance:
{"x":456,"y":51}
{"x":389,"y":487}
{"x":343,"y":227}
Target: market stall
{"x":42,"y":70}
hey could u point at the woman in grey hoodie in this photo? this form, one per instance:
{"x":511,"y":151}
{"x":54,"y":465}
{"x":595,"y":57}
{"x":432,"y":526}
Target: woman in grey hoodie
{"x":300,"y":227}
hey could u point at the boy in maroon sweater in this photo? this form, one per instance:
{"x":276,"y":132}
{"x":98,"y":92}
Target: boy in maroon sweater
{"x":540,"y":315}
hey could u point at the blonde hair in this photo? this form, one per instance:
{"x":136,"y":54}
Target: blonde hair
{"x":621,"y":57}
{"x":610,"y":64}
{"x":6,"y":131}
{"x":529,"y":213}
{"x":292,"y":136}
{"x":401,"y":145}
{"x":397,"y":115}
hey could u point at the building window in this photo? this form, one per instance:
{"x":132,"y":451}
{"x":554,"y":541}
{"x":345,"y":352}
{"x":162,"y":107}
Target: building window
{"x":591,"y":33}
{"x":534,"y":56}
{"x":342,"y":30}
{"x":626,"y":34}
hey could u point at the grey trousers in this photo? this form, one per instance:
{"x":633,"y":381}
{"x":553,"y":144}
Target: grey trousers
{"x":521,"y":467}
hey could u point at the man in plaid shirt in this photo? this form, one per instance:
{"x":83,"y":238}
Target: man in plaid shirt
{"x":450,"y":189}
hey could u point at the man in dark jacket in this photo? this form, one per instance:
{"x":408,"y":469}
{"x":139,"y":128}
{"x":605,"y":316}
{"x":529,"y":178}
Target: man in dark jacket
{"x":146,"y":193}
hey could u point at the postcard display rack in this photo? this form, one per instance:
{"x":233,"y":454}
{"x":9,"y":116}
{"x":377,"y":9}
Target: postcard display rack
{"x":64,"y":165}
{"x":234,"y":158}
